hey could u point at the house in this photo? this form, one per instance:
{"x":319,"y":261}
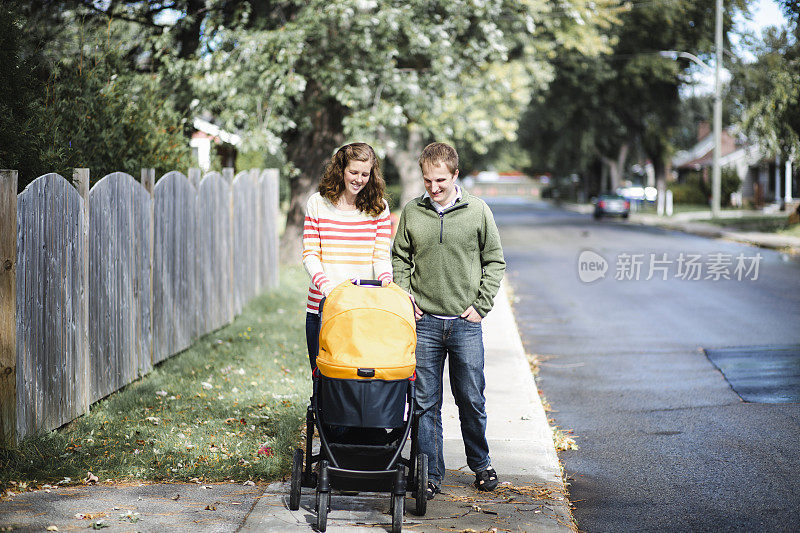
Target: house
{"x":764,"y":179}
{"x":208,"y":135}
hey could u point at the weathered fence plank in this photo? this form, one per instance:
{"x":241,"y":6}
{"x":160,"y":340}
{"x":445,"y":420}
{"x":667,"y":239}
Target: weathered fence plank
{"x":144,"y":263}
{"x":119,"y":230}
{"x":174,"y":263}
{"x":268,"y":182}
{"x":80,"y":178}
{"x":8,"y":306}
{"x":50,"y":356}
{"x":214,"y":248}
{"x":245,"y":246}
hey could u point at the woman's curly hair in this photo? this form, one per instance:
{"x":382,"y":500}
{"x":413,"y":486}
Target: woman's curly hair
{"x":369,"y":199}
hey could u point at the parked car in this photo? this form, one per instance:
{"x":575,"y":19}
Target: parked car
{"x":611,"y":204}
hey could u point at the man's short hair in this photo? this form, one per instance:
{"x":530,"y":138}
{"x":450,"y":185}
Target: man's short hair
{"x":436,"y":153}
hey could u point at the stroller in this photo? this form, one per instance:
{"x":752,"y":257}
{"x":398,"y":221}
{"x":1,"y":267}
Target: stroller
{"x":363,"y":403}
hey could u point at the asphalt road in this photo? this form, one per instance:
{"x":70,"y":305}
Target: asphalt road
{"x":665,"y":443}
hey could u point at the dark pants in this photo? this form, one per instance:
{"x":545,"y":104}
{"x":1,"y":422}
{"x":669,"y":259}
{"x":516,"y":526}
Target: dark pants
{"x":312,"y":338}
{"x":461,"y":342}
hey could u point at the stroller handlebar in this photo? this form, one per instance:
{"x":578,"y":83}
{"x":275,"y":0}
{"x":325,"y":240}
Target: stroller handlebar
{"x":367,"y":282}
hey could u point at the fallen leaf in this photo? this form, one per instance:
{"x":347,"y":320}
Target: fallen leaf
{"x":176,"y":497}
{"x":153,"y":420}
{"x":211,"y":507}
{"x":91,"y":479}
{"x":207,"y":386}
{"x":89,"y":516}
{"x":266,"y":450}
{"x":52,"y":528}
{"x":161,"y":393}
{"x":248,"y":483}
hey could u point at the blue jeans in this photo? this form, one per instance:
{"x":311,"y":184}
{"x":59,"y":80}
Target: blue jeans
{"x":462,"y":341}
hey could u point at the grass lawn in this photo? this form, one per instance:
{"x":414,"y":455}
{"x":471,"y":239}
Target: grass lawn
{"x":764,"y":224}
{"x":228,"y":408}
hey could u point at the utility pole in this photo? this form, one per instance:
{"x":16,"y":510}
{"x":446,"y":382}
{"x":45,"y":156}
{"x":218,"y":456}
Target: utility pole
{"x":716,"y":178}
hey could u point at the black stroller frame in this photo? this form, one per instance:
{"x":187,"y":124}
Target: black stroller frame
{"x":335,"y":460}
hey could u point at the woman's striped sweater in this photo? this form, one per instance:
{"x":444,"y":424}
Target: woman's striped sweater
{"x":339,"y":245}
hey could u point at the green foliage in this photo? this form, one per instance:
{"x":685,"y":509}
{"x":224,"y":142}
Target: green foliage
{"x":768,"y":92}
{"x":457,"y":70}
{"x":23,"y":79}
{"x":107,"y":119}
{"x":691,"y":191}
{"x":695,"y":190}
{"x":628,"y":97}
{"x":76,"y":100}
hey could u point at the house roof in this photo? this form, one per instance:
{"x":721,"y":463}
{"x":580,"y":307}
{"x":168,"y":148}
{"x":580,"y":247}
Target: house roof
{"x":702,"y":153}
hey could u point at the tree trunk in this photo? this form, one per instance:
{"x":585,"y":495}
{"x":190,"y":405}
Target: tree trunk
{"x":616,"y":166}
{"x":309,"y":150}
{"x":660,"y":170}
{"x":405,"y":160}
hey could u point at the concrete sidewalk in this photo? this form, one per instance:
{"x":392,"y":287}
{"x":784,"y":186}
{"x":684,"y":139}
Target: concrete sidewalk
{"x":530,"y":498}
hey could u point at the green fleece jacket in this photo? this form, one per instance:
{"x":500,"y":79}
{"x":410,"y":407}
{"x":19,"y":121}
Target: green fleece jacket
{"x":451,"y":260}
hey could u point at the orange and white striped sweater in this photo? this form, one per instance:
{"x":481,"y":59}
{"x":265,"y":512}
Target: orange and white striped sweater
{"x":339,"y":245}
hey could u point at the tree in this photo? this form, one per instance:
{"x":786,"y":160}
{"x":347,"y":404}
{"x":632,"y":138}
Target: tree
{"x":767,"y":90}
{"x":76,"y":96}
{"x":625,"y":100}
{"x":303,"y":77}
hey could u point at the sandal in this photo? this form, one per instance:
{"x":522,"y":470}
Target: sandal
{"x":486,"y":480}
{"x":433,"y":490}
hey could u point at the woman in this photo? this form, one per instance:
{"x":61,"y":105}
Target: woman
{"x":347,"y":231}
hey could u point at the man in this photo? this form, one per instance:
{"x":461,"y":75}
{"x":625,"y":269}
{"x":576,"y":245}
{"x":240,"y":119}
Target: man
{"x":447,"y":255}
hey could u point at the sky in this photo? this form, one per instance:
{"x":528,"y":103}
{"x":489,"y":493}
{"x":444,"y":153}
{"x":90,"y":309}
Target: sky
{"x":765,"y":13}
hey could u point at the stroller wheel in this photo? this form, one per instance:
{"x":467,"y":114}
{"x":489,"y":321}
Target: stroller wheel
{"x":297,"y":479}
{"x":323,"y":501}
{"x":421,"y":486}
{"x":397,"y":513}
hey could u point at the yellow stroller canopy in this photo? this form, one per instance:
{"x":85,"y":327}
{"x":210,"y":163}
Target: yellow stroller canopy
{"x":367,"y":333}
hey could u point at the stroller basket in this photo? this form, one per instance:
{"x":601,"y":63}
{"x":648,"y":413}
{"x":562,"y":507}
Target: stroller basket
{"x":362,"y":403}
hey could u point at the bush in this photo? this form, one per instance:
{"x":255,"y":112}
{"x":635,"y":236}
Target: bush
{"x":689,"y":192}
{"x":89,"y":111}
{"x":106,"y":119}
{"x":693,"y":190}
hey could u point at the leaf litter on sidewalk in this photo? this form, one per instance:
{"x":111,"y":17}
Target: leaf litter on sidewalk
{"x":227,"y":408}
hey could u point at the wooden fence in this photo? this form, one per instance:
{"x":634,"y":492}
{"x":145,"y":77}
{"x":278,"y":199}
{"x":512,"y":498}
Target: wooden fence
{"x":98,"y":286}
